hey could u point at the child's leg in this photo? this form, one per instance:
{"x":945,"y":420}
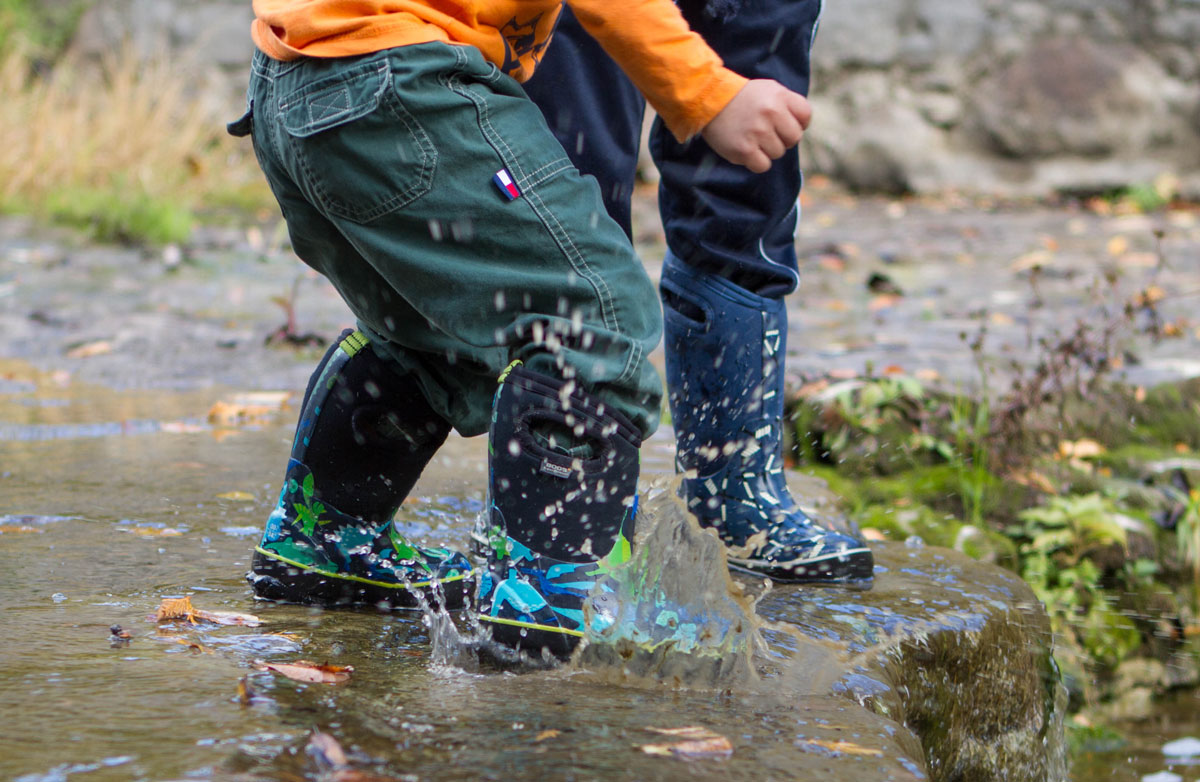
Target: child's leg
{"x":445,"y":270}
{"x":427,"y":188}
{"x":731,"y":261}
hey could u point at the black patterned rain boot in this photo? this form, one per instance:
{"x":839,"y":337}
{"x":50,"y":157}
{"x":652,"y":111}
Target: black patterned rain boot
{"x":364,"y":436}
{"x":724,"y":350}
{"x":562,"y":496}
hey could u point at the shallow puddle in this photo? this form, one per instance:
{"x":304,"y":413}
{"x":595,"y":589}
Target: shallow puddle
{"x":110,"y":502}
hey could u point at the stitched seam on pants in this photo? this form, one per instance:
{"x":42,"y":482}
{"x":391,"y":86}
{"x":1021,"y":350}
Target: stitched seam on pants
{"x":581,"y":267}
{"x":540,"y":175}
{"x":547,"y":218}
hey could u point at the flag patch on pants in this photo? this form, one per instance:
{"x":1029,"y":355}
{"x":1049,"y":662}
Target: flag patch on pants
{"x":504,"y":181}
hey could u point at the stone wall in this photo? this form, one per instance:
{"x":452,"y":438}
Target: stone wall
{"x":1011,"y":97}
{"x":1000,"y":96}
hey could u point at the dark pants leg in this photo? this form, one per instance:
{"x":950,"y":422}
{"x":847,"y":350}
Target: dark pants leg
{"x":719,"y":217}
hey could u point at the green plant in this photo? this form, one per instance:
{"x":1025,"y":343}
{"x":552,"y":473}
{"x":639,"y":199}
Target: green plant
{"x":1187,"y":535}
{"x":1056,"y":545}
{"x":970,"y":427}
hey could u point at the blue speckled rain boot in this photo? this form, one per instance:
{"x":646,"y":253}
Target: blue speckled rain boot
{"x":365,"y":434}
{"x":724,"y":350}
{"x":562,"y":498}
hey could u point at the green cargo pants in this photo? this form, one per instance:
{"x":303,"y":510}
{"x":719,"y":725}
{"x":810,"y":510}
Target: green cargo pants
{"x":392,"y":171}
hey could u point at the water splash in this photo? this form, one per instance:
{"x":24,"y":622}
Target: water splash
{"x":679,"y":617}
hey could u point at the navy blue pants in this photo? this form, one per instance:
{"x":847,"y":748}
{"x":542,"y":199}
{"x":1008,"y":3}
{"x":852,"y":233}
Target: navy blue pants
{"x":718,"y":217}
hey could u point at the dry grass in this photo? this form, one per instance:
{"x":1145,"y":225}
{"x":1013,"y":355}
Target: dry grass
{"x":121,"y":149}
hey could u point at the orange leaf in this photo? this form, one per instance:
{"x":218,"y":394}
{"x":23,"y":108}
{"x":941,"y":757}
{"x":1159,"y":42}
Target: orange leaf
{"x":305,"y":671}
{"x":845,"y":747}
{"x":88,"y":349}
{"x":9,"y":529}
{"x":718,"y":747}
{"x":175,"y":608}
{"x":547,"y":734}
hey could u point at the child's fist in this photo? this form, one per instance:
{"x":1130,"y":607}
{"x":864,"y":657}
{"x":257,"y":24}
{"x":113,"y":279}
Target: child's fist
{"x":764,"y":120}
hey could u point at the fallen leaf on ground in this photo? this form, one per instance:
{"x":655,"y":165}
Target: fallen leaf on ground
{"x":870,"y":533}
{"x":245,"y":694}
{"x":175,"y":608}
{"x":699,"y":742}
{"x":100,"y":347}
{"x":844,"y":747}
{"x":227,"y":618}
{"x":547,"y":734}
{"x":305,"y":671}
{"x":193,"y":646}
{"x":182,"y":608}
{"x":689,"y":732}
{"x":715,"y":748}
{"x":152,"y":532}
{"x":326,"y":751}
{"x":248,"y":408}
{"x":237,"y":496}
{"x":17,"y":529}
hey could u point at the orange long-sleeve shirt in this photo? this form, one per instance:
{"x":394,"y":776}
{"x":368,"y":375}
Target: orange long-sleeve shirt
{"x":681,"y":77}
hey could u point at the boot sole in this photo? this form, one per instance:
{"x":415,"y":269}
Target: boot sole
{"x":853,"y":568}
{"x":533,"y":638}
{"x":290,"y":582}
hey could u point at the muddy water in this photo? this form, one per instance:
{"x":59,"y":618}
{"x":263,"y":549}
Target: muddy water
{"x":110,"y":502}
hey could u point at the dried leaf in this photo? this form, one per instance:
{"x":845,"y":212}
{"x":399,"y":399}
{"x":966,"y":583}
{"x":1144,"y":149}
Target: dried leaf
{"x":248,"y":408}
{"x":547,"y":734}
{"x":1001,"y":319}
{"x":305,"y":671}
{"x":175,"y":608}
{"x":227,"y":618}
{"x":326,"y":751}
{"x":18,"y":529}
{"x":193,"y":646}
{"x":244,"y":693}
{"x":844,"y":747}
{"x":152,"y":532}
{"x":1117,"y":245}
{"x":870,"y":533}
{"x":88,"y":349}
{"x":696,"y":732}
{"x":703,"y":744}
{"x":237,"y":496}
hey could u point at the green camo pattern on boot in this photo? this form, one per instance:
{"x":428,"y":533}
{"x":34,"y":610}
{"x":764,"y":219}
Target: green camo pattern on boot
{"x":311,"y":553}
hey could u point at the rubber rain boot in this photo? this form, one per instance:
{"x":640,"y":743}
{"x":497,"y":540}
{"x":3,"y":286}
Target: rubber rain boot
{"x":724,"y":365}
{"x":364,"y":436}
{"x":562,"y":499}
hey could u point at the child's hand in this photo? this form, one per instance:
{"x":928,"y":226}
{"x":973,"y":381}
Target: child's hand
{"x":764,"y":120}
